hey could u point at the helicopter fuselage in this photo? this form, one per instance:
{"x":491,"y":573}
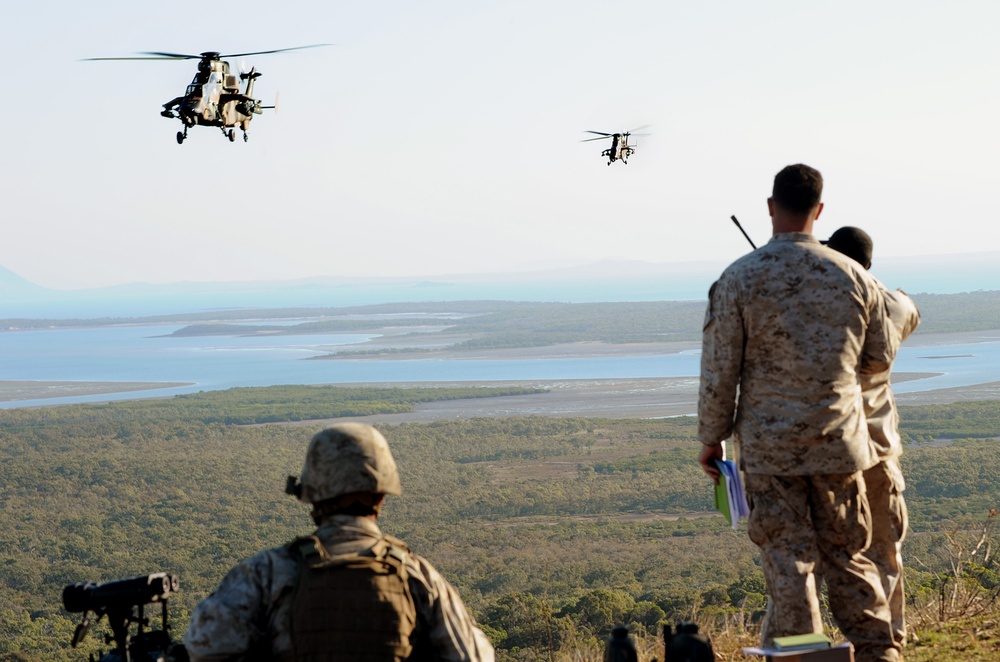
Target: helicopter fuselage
{"x":620,"y":150}
{"x":214,"y":98}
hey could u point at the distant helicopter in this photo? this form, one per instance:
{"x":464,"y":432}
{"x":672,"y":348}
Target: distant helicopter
{"x":620,"y":150}
{"x":214,"y":97}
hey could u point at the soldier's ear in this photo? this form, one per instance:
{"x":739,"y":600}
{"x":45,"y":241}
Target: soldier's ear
{"x":819,"y":210}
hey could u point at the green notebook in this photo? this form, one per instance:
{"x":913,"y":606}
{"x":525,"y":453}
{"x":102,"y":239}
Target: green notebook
{"x":722,"y":498}
{"x":802,"y":642}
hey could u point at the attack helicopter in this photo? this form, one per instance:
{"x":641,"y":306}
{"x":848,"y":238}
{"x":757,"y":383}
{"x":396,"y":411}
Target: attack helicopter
{"x":620,"y":150}
{"x":214,"y":97}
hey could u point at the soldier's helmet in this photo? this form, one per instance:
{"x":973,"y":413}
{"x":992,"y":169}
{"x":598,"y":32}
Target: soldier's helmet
{"x":346,"y":458}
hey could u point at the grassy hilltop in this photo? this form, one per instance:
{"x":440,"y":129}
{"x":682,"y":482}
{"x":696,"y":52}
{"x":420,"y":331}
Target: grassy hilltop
{"x":553,"y":529}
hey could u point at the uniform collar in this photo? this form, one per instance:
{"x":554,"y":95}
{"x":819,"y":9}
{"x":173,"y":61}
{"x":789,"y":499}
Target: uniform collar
{"x":798,"y":237}
{"x":345,"y":523}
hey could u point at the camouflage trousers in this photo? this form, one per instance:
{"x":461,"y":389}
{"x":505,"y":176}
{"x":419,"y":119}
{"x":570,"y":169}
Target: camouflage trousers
{"x":812,"y":526}
{"x":884,"y":483}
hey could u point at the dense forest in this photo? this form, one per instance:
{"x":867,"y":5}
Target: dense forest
{"x":553,"y":529}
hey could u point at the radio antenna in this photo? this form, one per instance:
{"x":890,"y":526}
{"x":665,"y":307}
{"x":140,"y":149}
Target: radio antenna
{"x":744,"y":232}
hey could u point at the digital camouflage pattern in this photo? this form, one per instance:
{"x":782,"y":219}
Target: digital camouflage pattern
{"x":880,"y":406}
{"x":250,"y":609}
{"x":884,"y":481}
{"x":812,"y":526}
{"x":787,"y":330}
{"x":346,"y":458}
{"x":889,"y":522}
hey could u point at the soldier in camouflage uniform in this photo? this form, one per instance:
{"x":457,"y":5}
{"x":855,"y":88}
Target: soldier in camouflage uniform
{"x":788,"y":329}
{"x":348,"y":592}
{"x":884,"y":481}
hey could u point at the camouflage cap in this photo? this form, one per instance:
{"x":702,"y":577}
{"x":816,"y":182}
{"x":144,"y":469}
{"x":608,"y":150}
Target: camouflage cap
{"x":345,"y":458}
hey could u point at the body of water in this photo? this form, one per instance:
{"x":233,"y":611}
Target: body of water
{"x":148,"y":354}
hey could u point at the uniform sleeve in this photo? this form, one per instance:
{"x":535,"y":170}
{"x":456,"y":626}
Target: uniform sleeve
{"x":903,"y":312}
{"x":229,"y":622}
{"x":453,"y":632}
{"x":723,"y":340}
{"x":881,"y":338}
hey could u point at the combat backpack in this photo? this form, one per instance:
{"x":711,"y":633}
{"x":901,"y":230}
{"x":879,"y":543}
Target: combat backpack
{"x":352,"y":607}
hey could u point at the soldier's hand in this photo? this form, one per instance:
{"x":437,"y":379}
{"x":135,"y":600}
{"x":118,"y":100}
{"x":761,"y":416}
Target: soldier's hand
{"x":707,"y":458}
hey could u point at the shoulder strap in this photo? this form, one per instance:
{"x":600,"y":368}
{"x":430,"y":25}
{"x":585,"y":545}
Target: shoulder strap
{"x":308,"y":549}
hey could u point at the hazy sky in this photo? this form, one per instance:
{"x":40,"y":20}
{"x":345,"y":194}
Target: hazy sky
{"x":443,"y":136}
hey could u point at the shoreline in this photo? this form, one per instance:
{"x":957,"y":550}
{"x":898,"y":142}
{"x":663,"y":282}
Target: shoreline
{"x":17,"y":390}
{"x":600,"y":398}
{"x":575,"y":350}
{"x":590,"y":398}
{"x":663,"y":397}
{"x":582,"y":398}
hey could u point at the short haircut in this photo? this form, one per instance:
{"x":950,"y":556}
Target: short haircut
{"x":797,"y":188}
{"x":854,"y":243}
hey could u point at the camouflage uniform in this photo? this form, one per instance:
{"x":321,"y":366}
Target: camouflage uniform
{"x":788,"y":329}
{"x":250,"y":608}
{"x":884,"y":481}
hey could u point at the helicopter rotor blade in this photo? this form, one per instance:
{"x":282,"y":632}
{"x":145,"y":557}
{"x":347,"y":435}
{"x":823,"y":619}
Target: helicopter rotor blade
{"x":172,"y":56}
{"x":161,"y":57}
{"x":600,"y":133}
{"x":587,"y":140}
{"x":164,"y":55}
{"x":277,"y":50}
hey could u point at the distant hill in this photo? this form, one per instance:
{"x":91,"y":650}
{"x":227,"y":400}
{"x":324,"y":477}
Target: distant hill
{"x":607,"y":281}
{"x":13,"y":285}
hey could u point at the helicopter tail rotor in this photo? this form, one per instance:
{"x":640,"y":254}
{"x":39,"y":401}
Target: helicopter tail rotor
{"x":275,"y":106}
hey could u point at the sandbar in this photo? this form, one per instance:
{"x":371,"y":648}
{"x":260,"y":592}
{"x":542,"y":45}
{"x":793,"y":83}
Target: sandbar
{"x":585,"y":398}
{"x":16,"y":390}
{"x":382,"y":351}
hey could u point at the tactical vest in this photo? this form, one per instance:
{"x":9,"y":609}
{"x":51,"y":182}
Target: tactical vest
{"x":352,"y":607}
